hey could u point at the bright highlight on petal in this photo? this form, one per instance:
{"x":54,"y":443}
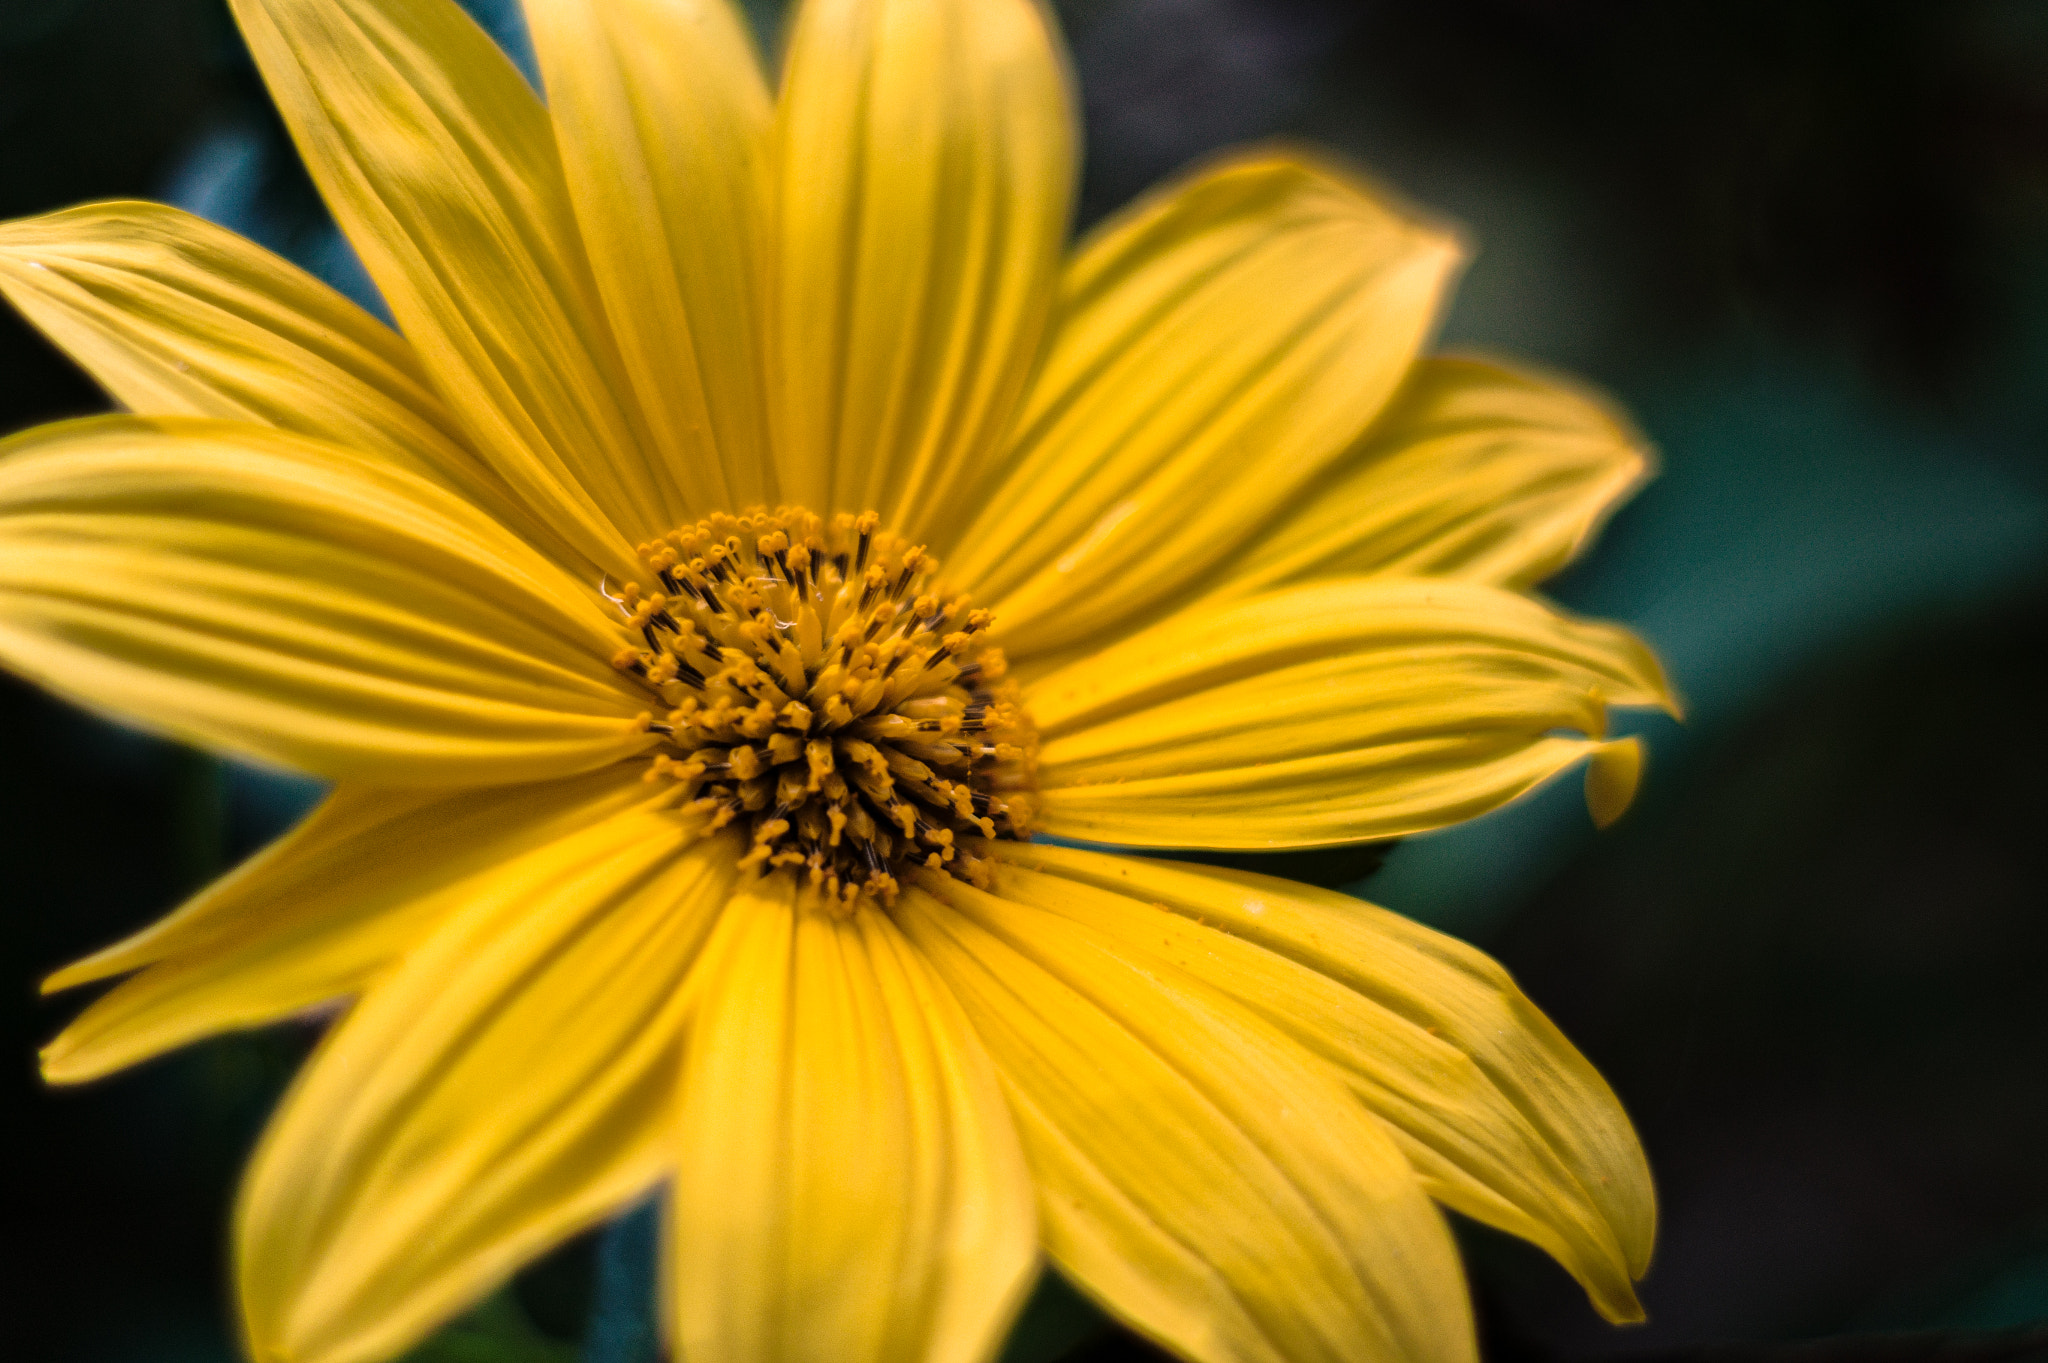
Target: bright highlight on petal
{"x":756,"y":528}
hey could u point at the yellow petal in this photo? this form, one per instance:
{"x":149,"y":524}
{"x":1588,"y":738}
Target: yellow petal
{"x":1501,"y":1117}
{"x":1201,"y":1173}
{"x":1334,"y":712}
{"x":665,"y":124}
{"x":1218,"y":347}
{"x":926,"y":170}
{"x":849,"y":1185}
{"x":506,"y":1086}
{"x":439,"y":162}
{"x":297,"y":602}
{"x":174,"y":316}
{"x":1612,"y":778}
{"x":317,"y":915}
{"x":1476,"y":471}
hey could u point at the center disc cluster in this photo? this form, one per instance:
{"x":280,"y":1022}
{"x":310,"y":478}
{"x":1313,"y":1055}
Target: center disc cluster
{"x":815,"y":687}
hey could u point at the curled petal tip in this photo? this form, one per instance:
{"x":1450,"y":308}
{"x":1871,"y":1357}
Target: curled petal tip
{"x":1611,"y":779}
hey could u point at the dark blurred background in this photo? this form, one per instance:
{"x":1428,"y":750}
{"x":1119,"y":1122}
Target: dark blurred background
{"x":1805,"y":243}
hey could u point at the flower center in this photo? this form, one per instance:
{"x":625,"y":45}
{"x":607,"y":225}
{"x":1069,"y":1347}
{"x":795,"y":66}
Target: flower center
{"x":816,"y":687}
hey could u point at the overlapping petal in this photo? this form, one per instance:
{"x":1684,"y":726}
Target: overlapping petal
{"x":507,"y":1085}
{"x":174,"y":316}
{"x":1501,"y":1117}
{"x":1218,"y":347}
{"x":1476,"y":471}
{"x":319,"y":914}
{"x":440,"y":163}
{"x":300,"y":603}
{"x":665,"y":126}
{"x":926,"y":164}
{"x":1201,"y":1173}
{"x":1335,"y":712}
{"x":849,"y":1185}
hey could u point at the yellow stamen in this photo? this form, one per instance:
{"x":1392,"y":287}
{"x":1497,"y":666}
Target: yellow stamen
{"x":820,"y":689}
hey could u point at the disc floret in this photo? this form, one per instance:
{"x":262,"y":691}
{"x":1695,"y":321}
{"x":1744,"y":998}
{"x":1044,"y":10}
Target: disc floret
{"x":817,"y":688}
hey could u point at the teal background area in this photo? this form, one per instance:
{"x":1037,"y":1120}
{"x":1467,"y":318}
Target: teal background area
{"x":1804,"y":243}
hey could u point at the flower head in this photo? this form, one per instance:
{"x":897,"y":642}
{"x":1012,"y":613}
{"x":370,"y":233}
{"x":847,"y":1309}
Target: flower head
{"x":759,"y":525}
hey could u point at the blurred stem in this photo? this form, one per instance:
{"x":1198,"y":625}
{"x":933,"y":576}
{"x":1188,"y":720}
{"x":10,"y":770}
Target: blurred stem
{"x":622,"y":1323}
{"x":199,"y":816}
{"x":1055,"y":1321}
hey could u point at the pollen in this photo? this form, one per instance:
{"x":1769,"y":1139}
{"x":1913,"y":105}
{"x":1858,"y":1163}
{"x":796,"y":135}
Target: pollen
{"x":811,"y":684}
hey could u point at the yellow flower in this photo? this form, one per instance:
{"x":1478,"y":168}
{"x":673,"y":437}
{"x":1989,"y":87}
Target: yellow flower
{"x":674,"y":843}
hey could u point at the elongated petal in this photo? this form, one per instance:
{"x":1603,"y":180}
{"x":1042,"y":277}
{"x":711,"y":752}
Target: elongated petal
{"x":1476,"y":472}
{"x":665,"y":126}
{"x":1217,"y":348}
{"x":440,"y":163}
{"x":299,"y":603}
{"x":1340,"y":711}
{"x":318,"y":915}
{"x":1500,"y":1116}
{"x":174,"y":316}
{"x":507,"y":1085}
{"x":1201,"y":1173}
{"x":849,"y":1185}
{"x":927,"y":164}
